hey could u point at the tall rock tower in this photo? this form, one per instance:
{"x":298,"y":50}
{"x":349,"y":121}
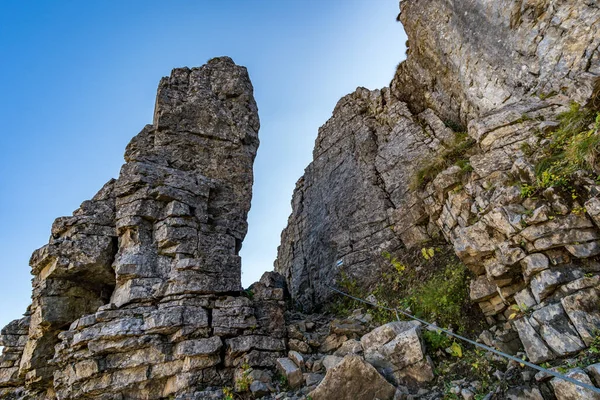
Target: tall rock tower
{"x":137,"y":295}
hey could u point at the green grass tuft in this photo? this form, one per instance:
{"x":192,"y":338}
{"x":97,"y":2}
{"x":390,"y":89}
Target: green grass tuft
{"x":455,"y":154}
{"x":574,"y":146}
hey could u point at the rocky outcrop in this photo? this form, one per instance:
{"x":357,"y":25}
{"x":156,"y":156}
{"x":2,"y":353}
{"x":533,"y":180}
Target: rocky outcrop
{"x":467,"y":58}
{"x":532,"y":246}
{"x":346,"y":204}
{"x":138,"y":294}
{"x":354,"y":200}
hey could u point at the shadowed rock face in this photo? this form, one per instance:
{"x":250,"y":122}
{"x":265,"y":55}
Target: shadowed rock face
{"x":136,"y":294}
{"x":344,"y":206}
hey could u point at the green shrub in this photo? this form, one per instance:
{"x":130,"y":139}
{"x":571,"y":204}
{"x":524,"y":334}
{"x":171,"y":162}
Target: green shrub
{"x":442,"y":297}
{"x":574,"y":146}
{"x":430,"y":283}
{"x":242,"y":383}
{"x":527,"y":190}
{"x":436,"y":340}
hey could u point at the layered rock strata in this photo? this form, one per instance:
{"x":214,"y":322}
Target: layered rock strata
{"x":534,"y":257}
{"x":138,"y":295}
{"x":468,"y":58}
{"x":354,"y":200}
{"x":345,"y":205}
{"x":505,"y":88}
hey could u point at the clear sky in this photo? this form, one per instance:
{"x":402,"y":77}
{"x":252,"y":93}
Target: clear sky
{"x":78,"y":81}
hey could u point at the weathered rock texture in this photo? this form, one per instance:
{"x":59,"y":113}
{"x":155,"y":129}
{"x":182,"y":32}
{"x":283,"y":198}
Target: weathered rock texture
{"x":470,"y":57}
{"x":507,"y":86}
{"x":475,"y":63}
{"x":137,"y":295}
{"x":345,"y":205}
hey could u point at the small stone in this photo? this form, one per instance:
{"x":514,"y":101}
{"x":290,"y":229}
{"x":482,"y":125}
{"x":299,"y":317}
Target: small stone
{"x":312,"y":379}
{"x":525,"y":299}
{"x":259,"y":389}
{"x":499,"y":375}
{"x":299,"y":346}
{"x":347,"y":328}
{"x":524,"y":393}
{"x":331,"y":343}
{"x":467,"y":394}
{"x":527,"y":375}
{"x":317,"y":366}
{"x":291,"y":371}
{"x":296,"y":358}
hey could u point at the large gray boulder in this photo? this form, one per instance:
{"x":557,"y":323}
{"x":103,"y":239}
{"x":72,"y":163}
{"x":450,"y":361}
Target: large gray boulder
{"x":396,"y":350}
{"x":353,"y":379}
{"x":568,"y":391}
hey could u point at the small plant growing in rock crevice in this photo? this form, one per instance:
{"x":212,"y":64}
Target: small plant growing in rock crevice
{"x":455,"y":154}
{"x":228,"y":393}
{"x":436,"y":340}
{"x":574,"y":146}
{"x":243,"y":382}
{"x":527,"y":191}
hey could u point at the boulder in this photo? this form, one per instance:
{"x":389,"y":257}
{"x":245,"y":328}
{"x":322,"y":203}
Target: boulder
{"x":353,"y":379}
{"x":564,"y":390}
{"x":556,"y":330}
{"x":396,"y":350}
{"x":583,"y":311}
{"x":537,"y":351}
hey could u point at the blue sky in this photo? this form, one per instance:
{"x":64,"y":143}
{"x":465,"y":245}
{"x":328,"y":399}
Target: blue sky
{"x":78,"y":81}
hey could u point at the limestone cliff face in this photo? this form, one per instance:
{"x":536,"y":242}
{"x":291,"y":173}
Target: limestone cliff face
{"x":137,"y":295}
{"x":502,"y":72}
{"x":466,"y":60}
{"x":345,"y":205}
